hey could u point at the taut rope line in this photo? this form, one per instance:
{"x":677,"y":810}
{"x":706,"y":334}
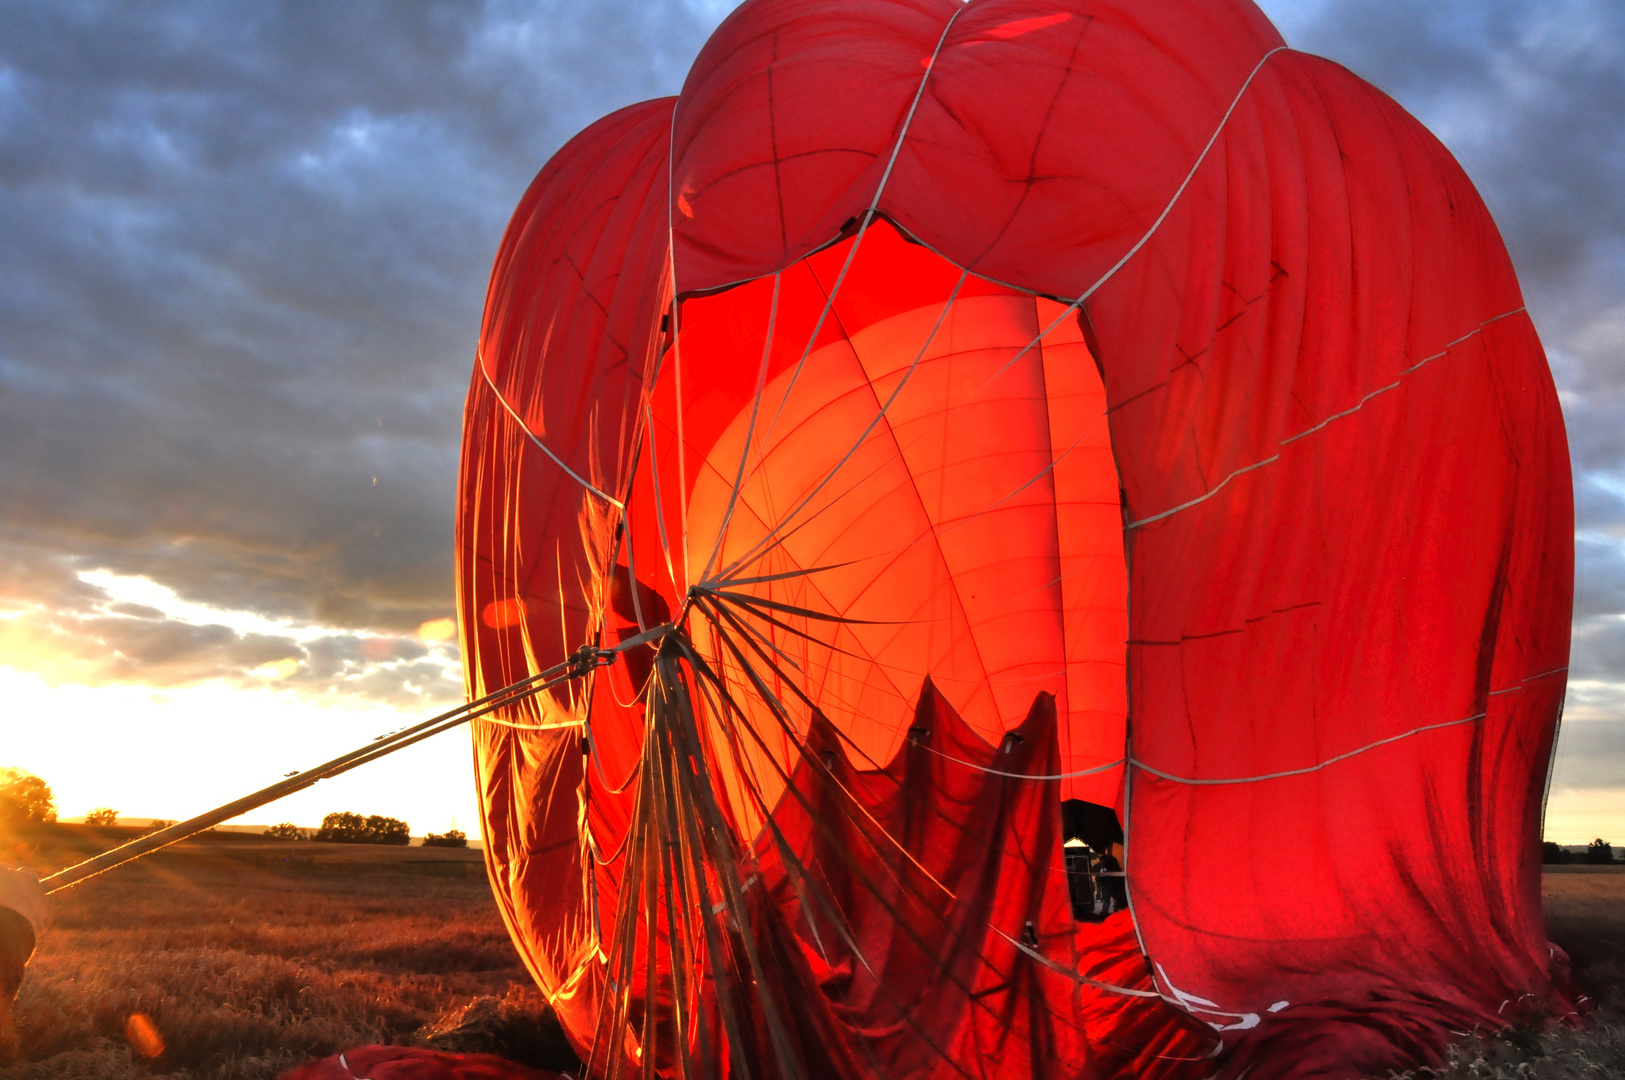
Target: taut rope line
{"x":580,"y":664}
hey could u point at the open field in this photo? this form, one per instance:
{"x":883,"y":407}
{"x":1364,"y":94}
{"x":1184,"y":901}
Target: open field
{"x":251,"y":956}
{"x":1585,"y":915}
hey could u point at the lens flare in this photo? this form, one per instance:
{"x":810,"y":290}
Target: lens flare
{"x":142,"y":1035}
{"x":438,"y":630}
{"x":501,"y":614}
{"x":277,"y":669}
{"x":378,"y":649}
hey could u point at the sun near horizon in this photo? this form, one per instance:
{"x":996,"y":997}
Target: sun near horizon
{"x":156,"y":735}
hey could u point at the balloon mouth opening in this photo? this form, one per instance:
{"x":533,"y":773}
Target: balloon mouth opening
{"x":897,"y":472}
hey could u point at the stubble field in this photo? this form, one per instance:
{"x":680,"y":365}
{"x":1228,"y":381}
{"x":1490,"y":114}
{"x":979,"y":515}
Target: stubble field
{"x":248,"y":957}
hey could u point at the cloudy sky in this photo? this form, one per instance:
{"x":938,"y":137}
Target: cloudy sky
{"x":243,"y":250}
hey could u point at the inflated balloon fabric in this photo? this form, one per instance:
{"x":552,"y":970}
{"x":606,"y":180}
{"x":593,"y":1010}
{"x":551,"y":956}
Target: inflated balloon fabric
{"x":1089,"y":399}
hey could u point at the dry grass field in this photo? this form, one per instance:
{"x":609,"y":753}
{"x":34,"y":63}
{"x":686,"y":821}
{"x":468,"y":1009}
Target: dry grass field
{"x":248,"y":957}
{"x":1585,"y":914}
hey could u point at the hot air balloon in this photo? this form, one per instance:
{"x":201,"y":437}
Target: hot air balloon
{"x":976,"y":444}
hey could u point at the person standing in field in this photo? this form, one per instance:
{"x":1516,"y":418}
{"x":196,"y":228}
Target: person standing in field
{"x":22,"y":913}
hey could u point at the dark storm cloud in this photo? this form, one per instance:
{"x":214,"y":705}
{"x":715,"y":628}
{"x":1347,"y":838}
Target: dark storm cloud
{"x":245,"y":250}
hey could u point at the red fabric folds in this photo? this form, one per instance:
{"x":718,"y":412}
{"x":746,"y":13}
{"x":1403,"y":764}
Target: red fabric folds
{"x":411,"y":1063}
{"x":925,"y":861}
{"x":1178,"y":382}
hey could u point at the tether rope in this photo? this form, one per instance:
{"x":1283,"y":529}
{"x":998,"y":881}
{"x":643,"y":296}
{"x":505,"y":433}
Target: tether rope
{"x":580,"y":664}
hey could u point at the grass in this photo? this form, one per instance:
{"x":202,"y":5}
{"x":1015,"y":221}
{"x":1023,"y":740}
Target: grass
{"x":248,"y":957}
{"x":1585,"y":915}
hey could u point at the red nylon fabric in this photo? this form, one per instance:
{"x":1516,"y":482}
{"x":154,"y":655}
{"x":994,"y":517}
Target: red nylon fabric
{"x":978,"y":528}
{"x":410,"y":1063}
{"x":1287,"y":513}
{"x":943,"y":988}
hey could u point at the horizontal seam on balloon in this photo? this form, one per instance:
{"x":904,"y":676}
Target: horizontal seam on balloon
{"x":480,"y":363}
{"x":1270,"y":776}
{"x":1143,"y":767}
{"x":1383,"y":390}
{"x":1022,"y":776}
{"x":1335,"y":416}
{"x":950,"y":524}
{"x":1203,"y":498}
{"x":1532,"y":678}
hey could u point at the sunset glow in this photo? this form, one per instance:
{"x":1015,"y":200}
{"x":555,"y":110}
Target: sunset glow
{"x":226,"y":701}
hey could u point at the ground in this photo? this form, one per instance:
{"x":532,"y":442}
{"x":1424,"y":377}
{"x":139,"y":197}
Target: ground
{"x":250,"y":957}
{"x":247,"y":957}
{"x":1585,"y":915}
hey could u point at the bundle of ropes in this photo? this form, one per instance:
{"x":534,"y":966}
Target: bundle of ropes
{"x":580,"y":664}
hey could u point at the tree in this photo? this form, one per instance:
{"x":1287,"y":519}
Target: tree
{"x":354,"y":829}
{"x":388,"y":830}
{"x":25,"y":798}
{"x":341,"y":828}
{"x":102,"y":815}
{"x":285,"y":831}
{"x":449,"y":838}
{"x":1554,"y":854}
{"x":1600,"y":851}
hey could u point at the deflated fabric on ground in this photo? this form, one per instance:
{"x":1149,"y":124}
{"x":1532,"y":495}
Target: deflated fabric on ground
{"x":411,"y":1063}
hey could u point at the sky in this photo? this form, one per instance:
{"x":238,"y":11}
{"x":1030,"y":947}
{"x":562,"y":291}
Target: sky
{"x":243,"y":251}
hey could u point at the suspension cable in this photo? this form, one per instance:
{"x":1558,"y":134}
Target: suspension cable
{"x":581,"y":663}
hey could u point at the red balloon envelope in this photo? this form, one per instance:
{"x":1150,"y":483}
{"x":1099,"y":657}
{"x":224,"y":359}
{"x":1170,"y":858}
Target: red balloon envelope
{"x":1088,"y":400}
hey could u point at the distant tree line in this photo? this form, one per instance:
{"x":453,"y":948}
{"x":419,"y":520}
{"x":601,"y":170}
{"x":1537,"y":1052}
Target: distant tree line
{"x":355,"y":829}
{"x":1598,"y":853}
{"x":26,"y":799}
